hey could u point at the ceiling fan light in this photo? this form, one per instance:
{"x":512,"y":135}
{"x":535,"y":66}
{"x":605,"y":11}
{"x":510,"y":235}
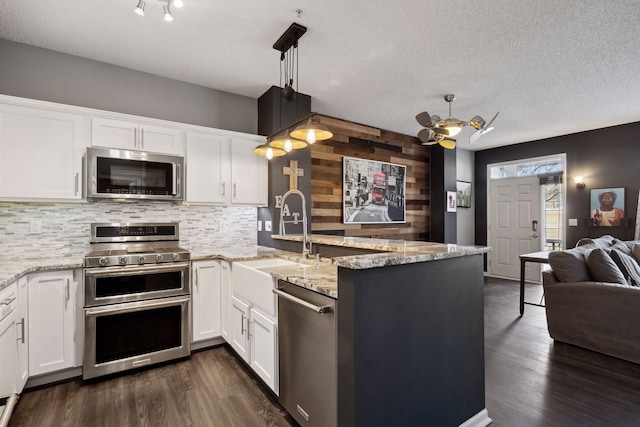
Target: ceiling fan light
{"x":177,"y":3}
{"x":312,"y":131}
{"x":167,"y":14}
{"x":453,"y":129}
{"x":140,"y":8}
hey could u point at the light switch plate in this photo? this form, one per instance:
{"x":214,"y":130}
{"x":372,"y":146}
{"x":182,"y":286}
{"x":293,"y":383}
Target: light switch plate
{"x":573,"y":222}
{"x":267,"y":226}
{"x":259,"y":225}
{"x":36,"y":226}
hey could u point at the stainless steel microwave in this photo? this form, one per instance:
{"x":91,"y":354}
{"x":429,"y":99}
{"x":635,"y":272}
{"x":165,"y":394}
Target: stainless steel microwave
{"x":123,"y":174}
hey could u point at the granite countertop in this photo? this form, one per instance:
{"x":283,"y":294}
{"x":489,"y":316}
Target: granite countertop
{"x":321,"y":276}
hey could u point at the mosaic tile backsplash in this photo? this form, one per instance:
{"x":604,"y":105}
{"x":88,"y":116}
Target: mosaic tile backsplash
{"x":65,"y":227}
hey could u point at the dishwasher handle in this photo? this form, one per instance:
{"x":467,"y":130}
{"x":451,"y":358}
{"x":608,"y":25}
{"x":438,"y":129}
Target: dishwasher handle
{"x":318,"y":309}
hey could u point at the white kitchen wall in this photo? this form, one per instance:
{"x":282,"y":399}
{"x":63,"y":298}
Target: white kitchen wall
{"x":65,"y":227}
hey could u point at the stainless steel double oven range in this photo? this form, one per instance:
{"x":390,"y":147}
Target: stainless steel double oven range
{"x":137,"y":297}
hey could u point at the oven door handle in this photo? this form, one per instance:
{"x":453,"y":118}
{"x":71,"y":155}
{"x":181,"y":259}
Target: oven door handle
{"x":128,"y":271}
{"x":134,"y":306}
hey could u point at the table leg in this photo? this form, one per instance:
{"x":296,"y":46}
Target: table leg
{"x":522,"y":262}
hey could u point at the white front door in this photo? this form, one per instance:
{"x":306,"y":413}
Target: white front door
{"x":514,"y":227}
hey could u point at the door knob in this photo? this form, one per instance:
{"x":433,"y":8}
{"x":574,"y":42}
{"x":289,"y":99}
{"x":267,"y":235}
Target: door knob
{"x":535,"y":236}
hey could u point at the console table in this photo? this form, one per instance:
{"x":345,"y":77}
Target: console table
{"x":539,"y":257}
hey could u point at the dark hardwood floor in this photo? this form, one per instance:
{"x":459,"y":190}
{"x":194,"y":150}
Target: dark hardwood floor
{"x":530,"y":381}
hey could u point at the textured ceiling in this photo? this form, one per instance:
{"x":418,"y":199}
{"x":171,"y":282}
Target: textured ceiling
{"x":550,"y":67}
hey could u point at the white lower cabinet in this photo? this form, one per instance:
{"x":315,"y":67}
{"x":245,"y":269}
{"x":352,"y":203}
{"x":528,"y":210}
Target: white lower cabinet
{"x":254,"y":337}
{"x":22,"y":338}
{"x":238,"y":325}
{"x":51,"y":321}
{"x":263,"y":345}
{"x":205,"y":300}
{"x":8,"y":348}
{"x":225,"y":295}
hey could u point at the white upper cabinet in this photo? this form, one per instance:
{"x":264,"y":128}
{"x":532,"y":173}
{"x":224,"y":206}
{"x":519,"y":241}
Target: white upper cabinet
{"x":40,"y":154}
{"x":249,"y":175}
{"x":223,"y":169}
{"x":135,"y":136}
{"x":208,"y":168}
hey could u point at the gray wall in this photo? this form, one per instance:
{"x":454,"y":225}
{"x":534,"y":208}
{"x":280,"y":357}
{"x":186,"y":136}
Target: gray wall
{"x":465,"y":216}
{"x":42,"y":74}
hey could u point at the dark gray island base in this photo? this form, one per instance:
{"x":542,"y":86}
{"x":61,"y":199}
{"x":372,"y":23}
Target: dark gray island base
{"x":408,"y":334}
{"x":411,"y":344}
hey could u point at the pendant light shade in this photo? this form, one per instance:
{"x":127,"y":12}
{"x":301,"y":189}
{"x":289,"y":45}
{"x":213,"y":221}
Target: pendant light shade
{"x":268,"y":152}
{"x":287,"y":143}
{"x":312,"y":131}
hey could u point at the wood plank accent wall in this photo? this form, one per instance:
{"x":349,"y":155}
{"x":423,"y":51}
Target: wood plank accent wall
{"x":326,"y":180}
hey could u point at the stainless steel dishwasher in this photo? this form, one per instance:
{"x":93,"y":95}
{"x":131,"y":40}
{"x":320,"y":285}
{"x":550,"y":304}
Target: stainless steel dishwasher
{"x":307,"y":351}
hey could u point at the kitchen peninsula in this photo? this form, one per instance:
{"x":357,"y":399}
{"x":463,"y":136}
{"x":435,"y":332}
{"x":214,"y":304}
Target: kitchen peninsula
{"x":410,"y":330}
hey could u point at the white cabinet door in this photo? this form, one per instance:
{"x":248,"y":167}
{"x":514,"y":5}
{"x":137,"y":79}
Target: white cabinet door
{"x":161,"y":140}
{"x":208,"y":168}
{"x":263,"y":344}
{"x":114,"y":134}
{"x":22,"y":338}
{"x":238,"y":328}
{"x":134,"y":136}
{"x":205,"y":294}
{"x":51,"y":321}
{"x":40,"y":154}
{"x":225,"y":298}
{"x":8,"y":349}
{"x":249,"y":175}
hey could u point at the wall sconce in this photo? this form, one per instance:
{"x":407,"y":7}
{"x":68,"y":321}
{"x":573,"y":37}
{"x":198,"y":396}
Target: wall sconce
{"x":579,"y":182}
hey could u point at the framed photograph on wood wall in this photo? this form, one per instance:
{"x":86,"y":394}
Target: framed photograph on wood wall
{"x":463,"y":190}
{"x":607,"y":206}
{"x":373,"y":192}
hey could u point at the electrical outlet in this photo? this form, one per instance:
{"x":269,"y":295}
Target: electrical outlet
{"x":267,"y":226}
{"x":259,"y":225}
{"x":36,"y":226}
{"x":216,"y":226}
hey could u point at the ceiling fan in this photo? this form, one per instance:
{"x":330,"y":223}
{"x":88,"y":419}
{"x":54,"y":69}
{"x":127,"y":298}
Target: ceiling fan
{"x":440,"y":131}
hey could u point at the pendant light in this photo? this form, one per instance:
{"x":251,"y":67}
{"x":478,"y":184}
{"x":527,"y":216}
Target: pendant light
{"x":312,"y":131}
{"x":268,"y":152}
{"x":287,"y":143}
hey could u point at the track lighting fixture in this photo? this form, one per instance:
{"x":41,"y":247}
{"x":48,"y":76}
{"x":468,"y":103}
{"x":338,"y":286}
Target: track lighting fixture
{"x":166,"y":7}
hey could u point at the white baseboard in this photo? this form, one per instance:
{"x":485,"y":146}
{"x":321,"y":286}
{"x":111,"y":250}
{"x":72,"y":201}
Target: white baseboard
{"x":481,"y":419}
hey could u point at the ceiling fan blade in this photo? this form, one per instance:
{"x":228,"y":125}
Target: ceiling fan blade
{"x":424,"y":119}
{"x":475,"y":136}
{"x":491,"y":121}
{"x":426,"y":135}
{"x":441,"y":131}
{"x":448,"y":143}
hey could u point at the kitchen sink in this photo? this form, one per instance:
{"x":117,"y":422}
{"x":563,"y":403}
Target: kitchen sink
{"x":252,"y":281}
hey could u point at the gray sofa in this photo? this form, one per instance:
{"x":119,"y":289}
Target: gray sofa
{"x":592,"y":300}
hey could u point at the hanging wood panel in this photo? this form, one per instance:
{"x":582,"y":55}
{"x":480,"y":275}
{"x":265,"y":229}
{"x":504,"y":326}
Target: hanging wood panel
{"x":386,"y":146}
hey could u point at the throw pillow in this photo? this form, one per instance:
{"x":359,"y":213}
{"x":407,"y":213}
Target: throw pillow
{"x":627,"y":265}
{"x":635,"y":252}
{"x":602,"y":267}
{"x":569,"y":265}
{"x":600,"y":242}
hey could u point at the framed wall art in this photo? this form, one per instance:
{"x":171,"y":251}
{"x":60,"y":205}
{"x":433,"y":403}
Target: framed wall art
{"x":373,"y":192}
{"x":451,"y":201}
{"x":463,"y":190}
{"x":607,"y":206}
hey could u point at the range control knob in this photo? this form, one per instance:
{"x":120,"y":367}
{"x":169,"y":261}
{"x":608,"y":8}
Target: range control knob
{"x":159,"y":258}
{"x":175,"y":257}
{"x":103,"y":261}
{"x":122,"y":260}
{"x":140,"y":259}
